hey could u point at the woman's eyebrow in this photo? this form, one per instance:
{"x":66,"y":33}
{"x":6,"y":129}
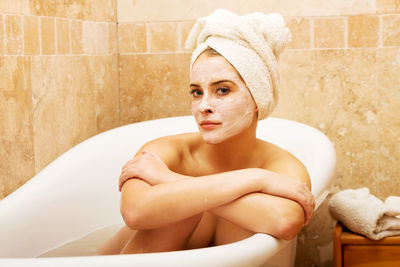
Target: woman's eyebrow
{"x":221,"y":81}
{"x":213,"y":83}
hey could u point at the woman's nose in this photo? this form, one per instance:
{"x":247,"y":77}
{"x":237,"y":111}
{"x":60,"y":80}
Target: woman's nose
{"x":205,"y":107}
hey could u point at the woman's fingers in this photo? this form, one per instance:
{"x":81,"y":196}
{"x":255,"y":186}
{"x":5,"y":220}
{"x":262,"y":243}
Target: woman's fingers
{"x":128,"y":172}
{"x":308,"y":203}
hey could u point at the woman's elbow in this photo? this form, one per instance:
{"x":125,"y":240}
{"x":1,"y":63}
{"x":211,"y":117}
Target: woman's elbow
{"x":289,"y":230}
{"x":133,"y":218}
{"x":290,"y":225}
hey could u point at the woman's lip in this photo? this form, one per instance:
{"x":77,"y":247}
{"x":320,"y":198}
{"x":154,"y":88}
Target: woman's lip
{"x":208,"y":125}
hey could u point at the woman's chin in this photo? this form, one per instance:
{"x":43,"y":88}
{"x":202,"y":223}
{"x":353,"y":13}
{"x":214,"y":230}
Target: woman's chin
{"x":212,"y":140}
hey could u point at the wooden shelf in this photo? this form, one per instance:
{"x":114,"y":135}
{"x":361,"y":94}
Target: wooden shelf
{"x":354,"y":250}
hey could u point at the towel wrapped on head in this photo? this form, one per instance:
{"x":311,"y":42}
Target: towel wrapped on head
{"x":252,"y":44}
{"x":365,"y":214}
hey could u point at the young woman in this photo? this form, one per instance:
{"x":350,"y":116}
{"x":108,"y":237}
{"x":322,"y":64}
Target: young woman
{"x":216,"y":186}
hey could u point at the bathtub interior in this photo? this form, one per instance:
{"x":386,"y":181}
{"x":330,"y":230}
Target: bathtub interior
{"x":77,"y":193}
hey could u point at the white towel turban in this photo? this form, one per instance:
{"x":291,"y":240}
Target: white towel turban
{"x":251,"y":43}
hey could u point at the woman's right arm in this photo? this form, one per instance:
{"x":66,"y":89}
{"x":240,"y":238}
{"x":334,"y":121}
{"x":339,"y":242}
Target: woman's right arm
{"x":148,"y":207}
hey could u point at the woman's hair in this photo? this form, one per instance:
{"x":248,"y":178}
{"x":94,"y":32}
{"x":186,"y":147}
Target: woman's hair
{"x":210,"y":52}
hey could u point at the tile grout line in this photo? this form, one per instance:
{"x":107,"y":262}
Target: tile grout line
{"x":40,"y":35}
{"x":22,"y":18}
{"x":346,"y":32}
{"x":70,"y":37}
{"x":55,"y":37}
{"x":380,"y":32}
{"x":3,"y":36}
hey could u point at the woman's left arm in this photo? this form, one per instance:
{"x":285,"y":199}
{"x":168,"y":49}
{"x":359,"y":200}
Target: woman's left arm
{"x":268,"y":213}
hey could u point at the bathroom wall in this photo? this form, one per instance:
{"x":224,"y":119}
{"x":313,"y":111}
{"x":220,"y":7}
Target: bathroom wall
{"x":340,"y":74}
{"x":58,"y":81}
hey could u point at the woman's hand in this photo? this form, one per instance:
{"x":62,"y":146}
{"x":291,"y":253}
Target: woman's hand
{"x":293,"y":189}
{"x":148,"y":167}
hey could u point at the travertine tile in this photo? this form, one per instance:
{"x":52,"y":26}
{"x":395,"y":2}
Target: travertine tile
{"x":301,"y":32}
{"x":185,"y":28}
{"x":15,"y":7}
{"x":342,"y":84}
{"x":99,"y":10}
{"x":48,"y":36}
{"x":391,"y":30}
{"x":64,"y":110}
{"x":363,"y":31}
{"x":13,"y":35}
{"x":103,"y":77}
{"x":329,"y":33}
{"x":47,"y":8}
{"x":163,"y":36}
{"x":388,"y":81}
{"x":76,"y":37}
{"x":16,"y":135}
{"x":102,"y":41}
{"x":153,"y":86}
{"x":132,"y":37}
{"x":387,"y":6}
{"x":354,"y":130}
{"x":31,"y":35}
{"x":95,"y":38}
{"x":62,"y":29}
{"x":89,"y":37}
{"x":173,"y":10}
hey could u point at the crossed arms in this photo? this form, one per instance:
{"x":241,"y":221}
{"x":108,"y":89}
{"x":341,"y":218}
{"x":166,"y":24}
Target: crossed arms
{"x":259,"y":200}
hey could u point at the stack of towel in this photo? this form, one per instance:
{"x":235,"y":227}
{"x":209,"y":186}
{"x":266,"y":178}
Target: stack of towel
{"x":365,"y":214}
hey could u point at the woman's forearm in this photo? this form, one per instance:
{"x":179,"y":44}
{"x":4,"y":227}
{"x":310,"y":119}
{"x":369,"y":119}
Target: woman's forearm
{"x":159,"y":205}
{"x":263,"y":213}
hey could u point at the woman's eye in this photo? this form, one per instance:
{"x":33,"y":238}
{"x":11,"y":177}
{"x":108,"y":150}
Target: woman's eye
{"x":223,"y":91}
{"x":196,"y":92}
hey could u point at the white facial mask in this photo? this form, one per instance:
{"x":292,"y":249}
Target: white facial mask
{"x":223,"y":115}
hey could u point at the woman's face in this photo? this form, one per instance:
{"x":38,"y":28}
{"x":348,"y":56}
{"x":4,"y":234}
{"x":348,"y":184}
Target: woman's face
{"x":222,"y":104}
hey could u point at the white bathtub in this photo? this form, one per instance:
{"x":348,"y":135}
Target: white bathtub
{"x":77,"y":194}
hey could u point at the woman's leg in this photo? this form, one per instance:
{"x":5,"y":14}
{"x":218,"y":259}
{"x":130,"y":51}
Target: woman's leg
{"x":227,"y":232}
{"x":169,"y":238}
{"x":117,"y":242}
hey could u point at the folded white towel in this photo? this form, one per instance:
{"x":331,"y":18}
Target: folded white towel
{"x":393,"y":203}
{"x":365,"y":214}
{"x":251,"y":43}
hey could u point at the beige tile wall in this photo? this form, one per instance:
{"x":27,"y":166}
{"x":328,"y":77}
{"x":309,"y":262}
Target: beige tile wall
{"x":69,"y":71}
{"x":59,"y":81}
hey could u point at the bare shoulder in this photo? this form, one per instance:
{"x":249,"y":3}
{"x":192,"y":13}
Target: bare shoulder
{"x":281,"y":161}
{"x":171,"y":148}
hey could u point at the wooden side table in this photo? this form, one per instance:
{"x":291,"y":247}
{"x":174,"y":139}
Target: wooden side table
{"x":351,"y":250}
